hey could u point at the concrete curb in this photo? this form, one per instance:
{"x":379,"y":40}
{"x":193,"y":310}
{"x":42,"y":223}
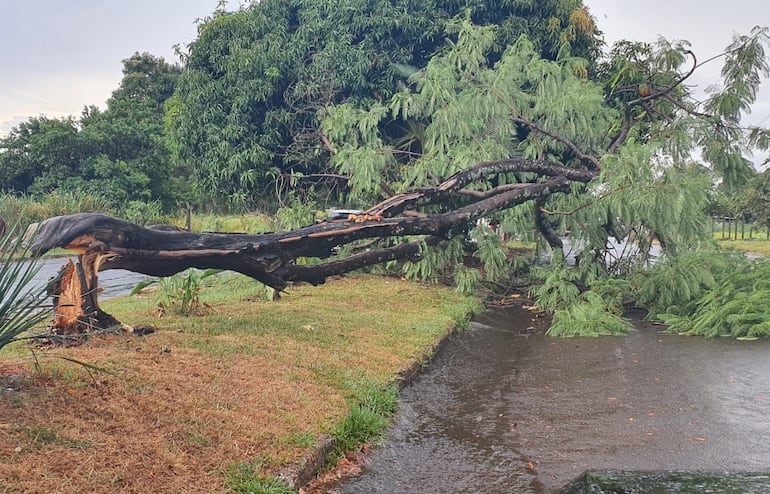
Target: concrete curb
{"x":302,"y":472}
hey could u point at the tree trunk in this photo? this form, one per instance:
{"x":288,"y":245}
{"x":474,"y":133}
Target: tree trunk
{"x":74,"y":291}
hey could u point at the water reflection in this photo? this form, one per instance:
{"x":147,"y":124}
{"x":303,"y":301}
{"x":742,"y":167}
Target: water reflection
{"x":504,"y":409}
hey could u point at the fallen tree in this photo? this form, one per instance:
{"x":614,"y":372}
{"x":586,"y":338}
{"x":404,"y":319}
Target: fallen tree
{"x":103,"y":242}
{"x":611,"y":162}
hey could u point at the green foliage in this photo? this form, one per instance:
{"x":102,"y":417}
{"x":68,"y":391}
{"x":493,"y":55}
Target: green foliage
{"x":297,"y":213}
{"x":557,"y":287}
{"x":247,"y":478}
{"x":179,"y":294}
{"x":22,"y":304}
{"x":464,"y":111}
{"x":466,"y":279}
{"x":435,"y":262}
{"x":734,"y":306}
{"x":590,"y":316}
{"x":372,"y":406}
{"x":28,"y":209}
{"x":461,"y":109}
{"x":143,"y":213}
{"x":752,"y":202}
{"x":615,"y":291}
{"x":491,"y":253}
{"x":256,"y":80}
{"x":243,"y":223}
{"x":118,"y":154}
{"x":675,"y":284}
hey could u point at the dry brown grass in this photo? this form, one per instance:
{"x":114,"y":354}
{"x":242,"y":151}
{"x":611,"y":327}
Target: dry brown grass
{"x":204,"y":393}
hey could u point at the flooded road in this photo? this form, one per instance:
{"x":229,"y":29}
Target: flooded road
{"x":503,"y":409}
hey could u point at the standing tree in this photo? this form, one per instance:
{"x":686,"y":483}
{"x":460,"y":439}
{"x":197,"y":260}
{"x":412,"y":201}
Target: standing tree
{"x":754,"y":200}
{"x":38,"y":153}
{"x":255,"y":80}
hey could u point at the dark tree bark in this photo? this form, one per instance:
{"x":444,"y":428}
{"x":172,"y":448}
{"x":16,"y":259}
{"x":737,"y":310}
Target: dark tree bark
{"x":104,"y":242}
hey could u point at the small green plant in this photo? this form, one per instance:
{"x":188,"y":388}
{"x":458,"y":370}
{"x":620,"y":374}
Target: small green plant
{"x":297,"y":213}
{"x":303,"y":439}
{"x":247,"y":478}
{"x":361,"y":425}
{"x":21,"y":301}
{"x":179,"y":293}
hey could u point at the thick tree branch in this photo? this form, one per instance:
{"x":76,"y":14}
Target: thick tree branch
{"x":397,"y":204}
{"x":317,"y":273}
{"x":104,"y":242}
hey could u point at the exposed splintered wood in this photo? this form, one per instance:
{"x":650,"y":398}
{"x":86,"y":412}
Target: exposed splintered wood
{"x":76,"y":309}
{"x":104,"y":242}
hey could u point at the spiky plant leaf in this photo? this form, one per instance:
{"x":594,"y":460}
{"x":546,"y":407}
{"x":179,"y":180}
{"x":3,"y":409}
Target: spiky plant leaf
{"x":21,"y":300}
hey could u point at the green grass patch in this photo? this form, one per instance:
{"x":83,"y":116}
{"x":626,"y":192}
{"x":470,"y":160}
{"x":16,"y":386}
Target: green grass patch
{"x":301,"y":439}
{"x":248,"y":478}
{"x":372,"y":406}
{"x":40,"y":436}
{"x":219,"y":347}
{"x":756,"y":246}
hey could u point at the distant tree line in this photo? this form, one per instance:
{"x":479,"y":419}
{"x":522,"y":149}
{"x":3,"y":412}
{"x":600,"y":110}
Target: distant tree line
{"x":120,"y":153}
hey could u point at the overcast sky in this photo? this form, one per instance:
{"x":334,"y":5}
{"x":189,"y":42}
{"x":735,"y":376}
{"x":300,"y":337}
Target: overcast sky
{"x":56,"y":56}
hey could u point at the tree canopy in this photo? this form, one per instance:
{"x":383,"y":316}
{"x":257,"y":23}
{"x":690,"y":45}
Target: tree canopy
{"x":255,"y":80}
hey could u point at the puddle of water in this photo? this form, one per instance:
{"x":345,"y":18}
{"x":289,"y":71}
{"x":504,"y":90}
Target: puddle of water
{"x":504,"y":409}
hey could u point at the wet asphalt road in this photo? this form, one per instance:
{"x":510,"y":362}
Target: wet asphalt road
{"x":505,"y":409}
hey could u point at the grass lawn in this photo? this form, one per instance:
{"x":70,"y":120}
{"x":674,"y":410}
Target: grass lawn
{"x":250,"y":386}
{"x":755,"y":246}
